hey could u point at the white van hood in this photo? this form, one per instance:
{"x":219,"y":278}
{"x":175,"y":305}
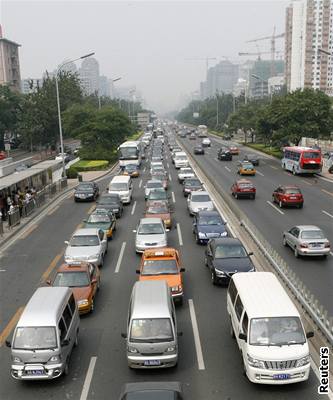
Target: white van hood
{"x":278,"y":353}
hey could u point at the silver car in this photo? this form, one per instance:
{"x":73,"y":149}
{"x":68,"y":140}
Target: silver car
{"x":185,"y":173}
{"x":151,"y":185}
{"x":150,"y":233}
{"x":89,"y":244}
{"x":199,"y":201}
{"x":307,"y":240}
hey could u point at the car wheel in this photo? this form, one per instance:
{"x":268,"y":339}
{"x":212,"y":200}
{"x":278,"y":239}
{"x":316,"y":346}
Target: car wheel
{"x":232,"y":332}
{"x":236,"y":196}
{"x":296,"y":252}
{"x":197,"y":239}
{"x":92,"y":307}
{"x":284,"y":241}
{"x":273,"y":199}
{"x":102,"y":261}
{"x":280,"y":204}
{"x":253,"y":196}
{"x":213,"y":278}
{"x":300,"y":205}
{"x":180,"y":300}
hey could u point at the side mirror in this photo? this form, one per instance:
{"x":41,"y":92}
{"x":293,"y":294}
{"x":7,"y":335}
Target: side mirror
{"x":66,"y":242}
{"x":180,"y":333}
{"x":48,"y":282}
{"x":137,"y":271}
{"x":242,"y":336}
{"x":309,"y":334}
{"x":8,"y":344}
{"x":123,"y":335}
{"x":225,"y":222}
{"x":182,"y":270}
{"x":250,"y":253}
{"x":65,"y":342}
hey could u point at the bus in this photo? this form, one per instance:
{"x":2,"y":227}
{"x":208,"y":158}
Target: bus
{"x":202,"y":131}
{"x":302,"y":160}
{"x":129,"y":153}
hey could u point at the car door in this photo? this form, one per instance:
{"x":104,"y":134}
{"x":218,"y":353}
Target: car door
{"x":292,"y":237}
{"x":237,"y":315}
{"x":189,"y":197}
{"x":244,"y":323}
{"x":93,"y":279}
{"x":195,"y":225}
{"x":209,"y":254}
{"x":102,"y":239}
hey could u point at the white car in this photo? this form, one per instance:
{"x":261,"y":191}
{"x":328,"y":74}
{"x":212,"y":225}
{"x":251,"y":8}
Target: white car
{"x":150,"y":233}
{"x":152,"y":184}
{"x":206,"y":142}
{"x":185,"y":173}
{"x":199,"y":201}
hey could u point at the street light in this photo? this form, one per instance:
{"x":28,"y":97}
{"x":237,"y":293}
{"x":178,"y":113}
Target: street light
{"x":58,"y":105}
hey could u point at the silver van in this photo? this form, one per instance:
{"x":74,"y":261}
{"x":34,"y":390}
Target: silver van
{"x":45,"y":335}
{"x":122,"y":185}
{"x":151,"y":327}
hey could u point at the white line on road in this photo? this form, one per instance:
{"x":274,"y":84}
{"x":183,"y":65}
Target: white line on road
{"x":168,"y":165}
{"x":216,"y":160}
{"x":272,"y":166}
{"x":2,"y":270}
{"x":331,"y":253}
{"x":259,"y":173}
{"x":272,"y":205}
{"x":133,"y":208}
{"x":121,"y":254}
{"x":201,"y":363}
{"x":324,"y":179}
{"x":140,"y":183}
{"x":180,"y":238}
{"x":173,"y":197}
{"x":87,"y":381}
{"x":227,"y":168}
{"x":170,"y":179}
{"x":325,"y":212}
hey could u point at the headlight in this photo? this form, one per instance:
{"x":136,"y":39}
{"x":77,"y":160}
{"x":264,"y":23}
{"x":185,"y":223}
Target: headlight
{"x":132,"y":349}
{"x":17,"y":360}
{"x":218,"y":272}
{"x":253,"y":362}
{"x":167,"y":222}
{"x":202,"y":235}
{"x":252,"y":269}
{"x":303,"y":361}
{"x":171,"y":348}
{"x":93,"y":256}
{"x":55,"y":359}
{"x":115,"y":209}
{"x":83,"y":302}
{"x":177,"y":288}
{"x":225,"y":233}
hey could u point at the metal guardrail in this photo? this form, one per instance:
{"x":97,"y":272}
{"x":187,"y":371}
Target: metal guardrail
{"x":52,"y":189}
{"x":63,"y":183}
{"x":1,"y":226}
{"x":40,"y":197}
{"x":14,"y":217}
{"x":28,"y":208}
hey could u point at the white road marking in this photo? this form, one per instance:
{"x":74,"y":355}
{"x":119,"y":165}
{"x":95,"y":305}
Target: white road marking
{"x":277,"y":209}
{"x":259,"y":173}
{"x":121,"y":254}
{"x":324,"y":179}
{"x":173,"y":197}
{"x":87,"y":381}
{"x":140,"y":183}
{"x":216,"y":160}
{"x":331,"y":253}
{"x":180,"y":238}
{"x":325,"y":212}
{"x":272,"y":166}
{"x":168,"y":165}
{"x":201,"y":363}
{"x":133,"y":208}
{"x":227,"y":168}
{"x":308,"y":183}
{"x":170,"y":178}
{"x":2,"y":270}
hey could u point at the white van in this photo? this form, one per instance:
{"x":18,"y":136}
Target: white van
{"x":45,"y":335}
{"x":268,"y":329}
{"x":122,"y":185}
{"x":181,"y":160}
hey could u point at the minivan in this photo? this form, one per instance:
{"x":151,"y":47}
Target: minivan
{"x":181,"y":160}
{"x":123,"y":186}
{"x":268,"y":329}
{"x":151,"y":327}
{"x":45,"y":335}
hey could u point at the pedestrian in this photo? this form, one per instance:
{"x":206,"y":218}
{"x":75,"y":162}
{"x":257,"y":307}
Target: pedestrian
{"x":3,"y":207}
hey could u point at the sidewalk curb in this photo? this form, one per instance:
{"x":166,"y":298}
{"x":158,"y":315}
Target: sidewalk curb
{"x":44,"y":207}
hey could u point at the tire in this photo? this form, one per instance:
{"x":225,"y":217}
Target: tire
{"x":273,"y":199}
{"x":284,"y":241}
{"x":232,"y":332}
{"x":294,"y":171}
{"x":236,"y":196}
{"x":253,"y":196}
{"x":92,"y":307}
{"x":301,"y":205}
{"x":102,"y":262}
{"x":296,"y":252}
{"x":180,"y":301}
{"x":280,"y":204}
{"x":213,"y":278}
{"x":197,"y":239}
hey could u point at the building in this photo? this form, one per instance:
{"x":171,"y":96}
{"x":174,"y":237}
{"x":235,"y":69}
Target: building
{"x":9,"y":63}
{"x":220,"y":78}
{"x":104,"y":86}
{"x":239,"y":88}
{"x":30,"y":85}
{"x":89,"y":76}
{"x":309,"y":28}
{"x":143,"y":119}
{"x":259,"y":75}
{"x":276,"y":84}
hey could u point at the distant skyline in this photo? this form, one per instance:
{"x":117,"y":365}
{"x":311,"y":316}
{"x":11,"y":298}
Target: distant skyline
{"x":146,"y":43}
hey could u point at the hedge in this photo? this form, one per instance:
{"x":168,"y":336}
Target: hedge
{"x":86,"y":165}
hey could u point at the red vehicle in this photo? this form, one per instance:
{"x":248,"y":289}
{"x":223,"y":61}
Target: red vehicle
{"x":302,"y":160}
{"x":288,"y":196}
{"x":2,"y":155}
{"x":234,"y":150}
{"x":243,"y":188}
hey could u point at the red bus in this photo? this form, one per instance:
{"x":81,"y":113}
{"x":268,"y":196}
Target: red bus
{"x":302,"y":160}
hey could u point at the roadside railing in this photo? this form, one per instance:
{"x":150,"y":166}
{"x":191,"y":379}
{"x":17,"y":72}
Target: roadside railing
{"x":28,"y":208}
{"x":1,"y":226}
{"x":14,"y":217}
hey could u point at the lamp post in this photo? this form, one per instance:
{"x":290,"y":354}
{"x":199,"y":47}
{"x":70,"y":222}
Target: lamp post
{"x":58,"y":106}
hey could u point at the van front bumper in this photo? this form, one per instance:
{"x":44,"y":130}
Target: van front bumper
{"x":278,"y":377}
{"x":141,"y":362}
{"x":36,"y":371}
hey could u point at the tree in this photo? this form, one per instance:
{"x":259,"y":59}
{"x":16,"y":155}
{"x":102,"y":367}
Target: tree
{"x":10,"y":107}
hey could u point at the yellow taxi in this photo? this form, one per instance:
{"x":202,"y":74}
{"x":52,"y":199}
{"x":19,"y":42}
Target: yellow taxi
{"x":84,"y":279}
{"x":131,"y":170}
{"x":163,"y":264}
{"x":246,"y":168}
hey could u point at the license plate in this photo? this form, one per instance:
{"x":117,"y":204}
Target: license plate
{"x":281,"y":376}
{"x":35,"y":372}
{"x":316,"y":245}
{"x":152,"y":362}
{"x":293,"y":198}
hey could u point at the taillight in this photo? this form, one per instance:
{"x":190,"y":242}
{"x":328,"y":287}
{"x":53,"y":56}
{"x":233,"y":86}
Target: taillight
{"x":327,"y":245}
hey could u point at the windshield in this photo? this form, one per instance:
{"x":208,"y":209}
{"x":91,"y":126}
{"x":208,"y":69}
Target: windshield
{"x":186,"y":170}
{"x":98,"y":218}
{"x":159,"y":267}
{"x":192,"y":182}
{"x":128,"y":153}
{"x":158,"y":195}
{"x":276,"y":331}
{"x":88,"y":240}
{"x":151,"y":229}
{"x":35,"y":338}
{"x":85,"y":188}
{"x":71,"y":279}
{"x":230,"y":251}
{"x":130,"y":167}
{"x":200,"y":198}
{"x":210,"y":220}
{"x":181,"y":158}
{"x":119,"y":186}
{"x":312,"y":235}
{"x":247,"y":166}
{"x":311,"y":154}
{"x":152,"y":330}
{"x":151,"y":185}
{"x":158,"y":209}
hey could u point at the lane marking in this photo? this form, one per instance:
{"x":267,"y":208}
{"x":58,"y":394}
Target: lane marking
{"x":53,"y":210}
{"x":52,"y":265}
{"x":325,"y":212}
{"x":272,"y":166}
{"x":140,"y":183}
{"x":259,"y":173}
{"x":88,"y":379}
{"x":227,"y":168}
{"x":10,"y":326}
{"x":324,"y":179}
{"x":121,"y":254}
{"x":263,"y":162}
{"x":91,"y":209}
{"x":331,"y":253}
{"x":274,"y":206}
{"x":327,"y":192}
{"x":133,"y":208}
{"x":173,"y":197}
{"x":216,"y":160}
{"x":3,"y":270}
{"x":180,"y":238}
{"x":308,"y":183}
{"x":201,"y":363}
{"x":168,"y":165}
{"x":28,"y":231}
{"x":170,"y":178}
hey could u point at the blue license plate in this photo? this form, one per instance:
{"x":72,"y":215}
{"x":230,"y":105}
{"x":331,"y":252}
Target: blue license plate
{"x":35,"y":372}
{"x":152,"y":362}
{"x":281,"y":376}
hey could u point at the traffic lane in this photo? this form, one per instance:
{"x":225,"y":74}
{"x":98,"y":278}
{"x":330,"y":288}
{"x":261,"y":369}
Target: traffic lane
{"x":312,"y":270}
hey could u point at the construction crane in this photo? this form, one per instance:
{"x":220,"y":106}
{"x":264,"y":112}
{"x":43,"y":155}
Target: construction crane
{"x":272,"y":38}
{"x":258,"y":53}
{"x":207,"y":59}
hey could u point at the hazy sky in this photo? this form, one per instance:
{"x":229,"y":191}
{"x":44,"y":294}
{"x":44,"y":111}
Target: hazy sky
{"x":146,"y":43}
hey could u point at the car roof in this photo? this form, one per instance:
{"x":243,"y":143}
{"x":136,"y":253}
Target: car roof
{"x":206,"y":213}
{"x":200,"y":192}
{"x":308,"y":227}
{"x":227,"y":241}
{"x":86,"y":231}
{"x":80,"y":266}
{"x":289,"y":187}
{"x":244,"y":181}
{"x":150,"y":220}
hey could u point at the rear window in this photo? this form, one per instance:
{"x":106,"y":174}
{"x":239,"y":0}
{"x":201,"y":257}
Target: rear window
{"x":312,"y":235}
{"x":292,"y":191}
{"x":311,"y":154}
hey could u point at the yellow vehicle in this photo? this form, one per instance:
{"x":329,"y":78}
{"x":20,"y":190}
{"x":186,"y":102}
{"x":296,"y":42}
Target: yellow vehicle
{"x":246,"y":168}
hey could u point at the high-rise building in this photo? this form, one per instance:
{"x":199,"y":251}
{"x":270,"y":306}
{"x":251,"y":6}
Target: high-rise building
{"x":221,"y":78}
{"x":89,"y":75}
{"x":309,"y":28}
{"x":259,"y":75}
{"x":30,"y":85}
{"x":104,"y":86}
{"x":9,"y":63}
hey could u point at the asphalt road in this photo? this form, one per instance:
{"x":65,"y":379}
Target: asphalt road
{"x":315,"y":272}
{"x":219,"y":374}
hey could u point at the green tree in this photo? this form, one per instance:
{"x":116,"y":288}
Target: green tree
{"x":10,"y":107}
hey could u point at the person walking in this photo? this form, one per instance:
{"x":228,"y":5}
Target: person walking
{"x":3,"y":206}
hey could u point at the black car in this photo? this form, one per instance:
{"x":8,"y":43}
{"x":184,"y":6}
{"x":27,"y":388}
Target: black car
{"x":224,"y":154}
{"x":111,"y":202}
{"x":252,"y":158}
{"x":224,"y":257}
{"x":86,"y":191}
{"x":208,"y":225}
{"x":152,"y":391}
{"x":182,"y":135}
{"x":191,"y":185}
{"x":198,"y":150}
